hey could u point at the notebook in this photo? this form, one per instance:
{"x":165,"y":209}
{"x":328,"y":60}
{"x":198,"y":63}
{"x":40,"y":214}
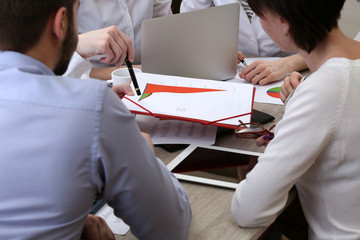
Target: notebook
{"x":198,"y":44}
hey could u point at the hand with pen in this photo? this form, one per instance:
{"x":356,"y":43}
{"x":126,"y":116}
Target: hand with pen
{"x":110,"y":42}
{"x":240,"y":58}
{"x":264,"y":72}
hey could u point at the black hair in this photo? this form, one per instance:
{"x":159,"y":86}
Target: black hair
{"x":310,"y":21}
{"x":22,"y":22}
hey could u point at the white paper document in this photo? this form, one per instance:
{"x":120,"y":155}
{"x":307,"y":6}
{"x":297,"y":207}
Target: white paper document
{"x":116,"y":225}
{"x":176,"y":132}
{"x":198,"y":100}
{"x":269,"y":93}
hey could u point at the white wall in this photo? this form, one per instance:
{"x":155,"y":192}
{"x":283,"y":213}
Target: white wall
{"x":350,"y":18}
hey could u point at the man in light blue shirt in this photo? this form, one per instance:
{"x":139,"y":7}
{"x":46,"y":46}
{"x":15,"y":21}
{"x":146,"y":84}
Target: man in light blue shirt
{"x":65,"y":142}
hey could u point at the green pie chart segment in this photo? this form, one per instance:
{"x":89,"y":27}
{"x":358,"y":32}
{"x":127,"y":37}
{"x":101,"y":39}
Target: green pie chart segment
{"x":274,"y":92}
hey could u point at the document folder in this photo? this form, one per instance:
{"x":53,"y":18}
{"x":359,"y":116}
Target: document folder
{"x":190,"y":99}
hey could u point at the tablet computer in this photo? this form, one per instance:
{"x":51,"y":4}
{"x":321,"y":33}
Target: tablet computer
{"x":217,"y":166}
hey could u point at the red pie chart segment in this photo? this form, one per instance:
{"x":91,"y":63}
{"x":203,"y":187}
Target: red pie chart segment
{"x":274,"y":92}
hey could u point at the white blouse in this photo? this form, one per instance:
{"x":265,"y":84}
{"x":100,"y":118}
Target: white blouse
{"x":316,"y":147}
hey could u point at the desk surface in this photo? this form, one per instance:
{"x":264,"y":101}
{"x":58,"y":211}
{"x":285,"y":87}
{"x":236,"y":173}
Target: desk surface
{"x":211,"y":216}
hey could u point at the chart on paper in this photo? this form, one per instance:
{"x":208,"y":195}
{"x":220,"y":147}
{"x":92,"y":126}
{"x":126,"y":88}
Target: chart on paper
{"x":157,"y":88}
{"x":198,"y":100}
{"x":269,"y":93}
{"x":274,"y":92}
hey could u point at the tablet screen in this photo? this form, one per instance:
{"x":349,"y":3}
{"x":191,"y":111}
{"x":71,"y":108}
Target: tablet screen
{"x":214,"y":164}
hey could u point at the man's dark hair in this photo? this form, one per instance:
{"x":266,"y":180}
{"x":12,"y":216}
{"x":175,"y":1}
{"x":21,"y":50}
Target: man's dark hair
{"x":310,"y":20}
{"x":23,"y":21}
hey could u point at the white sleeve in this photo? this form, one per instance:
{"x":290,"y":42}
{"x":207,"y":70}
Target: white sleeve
{"x":162,"y":8}
{"x":300,"y":137}
{"x":78,"y":67}
{"x":191,"y":5}
{"x":142,"y":191}
{"x":357,"y":38}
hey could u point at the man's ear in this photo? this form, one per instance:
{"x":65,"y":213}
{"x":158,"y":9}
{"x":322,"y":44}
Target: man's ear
{"x":60,"y":23}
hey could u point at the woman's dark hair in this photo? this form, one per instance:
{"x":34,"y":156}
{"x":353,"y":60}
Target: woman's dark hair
{"x":310,"y":20}
{"x":23,"y":21}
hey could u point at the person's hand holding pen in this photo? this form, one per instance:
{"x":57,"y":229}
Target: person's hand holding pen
{"x":260,"y":72}
{"x":289,"y":85}
{"x":263,"y":72}
{"x":240,"y":58}
{"x":110,"y":42}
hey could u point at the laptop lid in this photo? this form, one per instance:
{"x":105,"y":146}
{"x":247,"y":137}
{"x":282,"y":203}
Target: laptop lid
{"x":198,"y":44}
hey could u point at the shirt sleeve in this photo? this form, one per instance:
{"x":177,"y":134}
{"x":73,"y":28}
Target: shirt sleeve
{"x":300,"y":137}
{"x":357,"y":37}
{"x":142,"y":191}
{"x":78,"y":67}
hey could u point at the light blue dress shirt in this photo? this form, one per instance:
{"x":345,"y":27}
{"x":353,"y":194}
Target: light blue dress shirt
{"x":64,"y":142}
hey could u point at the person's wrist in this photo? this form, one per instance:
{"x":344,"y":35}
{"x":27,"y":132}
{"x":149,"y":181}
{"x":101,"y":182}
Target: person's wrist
{"x":286,"y":66}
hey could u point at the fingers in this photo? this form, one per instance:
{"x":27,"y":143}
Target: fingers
{"x":240,"y":56}
{"x":129,"y":45}
{"x":110,"y":42}
{"x":263,"y":140}
{"x":122,"y":90}
{"x":290,"y":83}
{"x":119,"y":46}
{"x":104,"y":230}
{"x":96,"y":228}
{"x":263,"y":72}
{"x":258,"y":73}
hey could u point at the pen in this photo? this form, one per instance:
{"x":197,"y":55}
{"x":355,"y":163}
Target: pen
{"x":292,"y":92}
{"x":132,"y":75}
{"x":243,"y":62}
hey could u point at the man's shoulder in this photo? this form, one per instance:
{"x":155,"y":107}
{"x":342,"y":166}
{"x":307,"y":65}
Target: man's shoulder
{"x":85,"y":93}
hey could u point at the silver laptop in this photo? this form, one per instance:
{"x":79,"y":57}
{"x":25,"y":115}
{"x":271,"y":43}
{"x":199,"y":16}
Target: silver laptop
{"x":198,"y":44}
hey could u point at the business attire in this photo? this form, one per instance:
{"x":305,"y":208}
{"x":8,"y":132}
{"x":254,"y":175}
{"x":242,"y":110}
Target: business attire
{"x":79,"y":67}
{"x":316,"y":148}
{"x":66,"y":141}
{"x":126,"y":15}
{"x":253,"y":40}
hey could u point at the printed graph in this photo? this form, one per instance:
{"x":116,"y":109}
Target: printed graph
{"x":274,"y":92}
{"x":157,"y":88}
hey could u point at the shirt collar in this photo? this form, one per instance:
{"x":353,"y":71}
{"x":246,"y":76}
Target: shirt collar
{"x":11,"y":59}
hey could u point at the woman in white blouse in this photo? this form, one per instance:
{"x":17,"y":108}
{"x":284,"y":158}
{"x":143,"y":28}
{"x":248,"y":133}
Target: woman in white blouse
{"x":315,"y":146}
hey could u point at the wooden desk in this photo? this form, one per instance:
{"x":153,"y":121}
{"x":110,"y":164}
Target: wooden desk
{"x":211,"y":216}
